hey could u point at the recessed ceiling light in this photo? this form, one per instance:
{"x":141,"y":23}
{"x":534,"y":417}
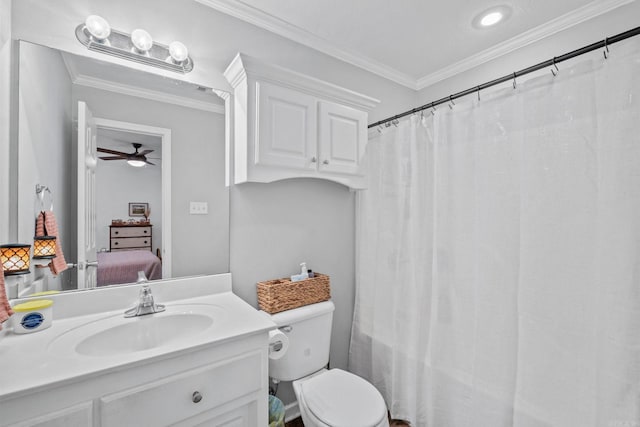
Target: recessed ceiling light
{"x":491,"y":19}
{"x":491,"y":16}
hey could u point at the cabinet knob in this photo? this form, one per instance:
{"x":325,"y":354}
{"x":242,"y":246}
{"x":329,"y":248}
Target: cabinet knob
{"x":145,"y":242}
{"x":313,"y":160}
{"x":325,"y":162}
{"x":117,"y":232}
{"x":146,"y":231}
{"x":116,"y":243}
{"x":196,"y":397}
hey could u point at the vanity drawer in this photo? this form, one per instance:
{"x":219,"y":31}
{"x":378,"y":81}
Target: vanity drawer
{"x":184,"y":395}
{"x":131,"y":242}
{"x":130,"y":231}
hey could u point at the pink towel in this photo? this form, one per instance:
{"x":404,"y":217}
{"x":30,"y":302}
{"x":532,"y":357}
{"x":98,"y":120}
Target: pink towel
{"x":46,"y":225}
{"x":5,"y":308}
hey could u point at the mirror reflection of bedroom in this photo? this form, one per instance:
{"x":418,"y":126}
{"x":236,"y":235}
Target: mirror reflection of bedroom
{"x":128,"y":213}
{"x":119,"y":209}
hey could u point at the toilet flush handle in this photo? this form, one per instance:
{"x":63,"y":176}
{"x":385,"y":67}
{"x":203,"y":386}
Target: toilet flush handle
{"x":286,"y":328}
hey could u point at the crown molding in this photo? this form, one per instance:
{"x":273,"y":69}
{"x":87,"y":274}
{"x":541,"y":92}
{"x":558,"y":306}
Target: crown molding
{"x":124,"y":89}
{"x":252,"y":15}
{"x":244,"y":67}
{"x":264,"y":20}
{"x":575,"y":17}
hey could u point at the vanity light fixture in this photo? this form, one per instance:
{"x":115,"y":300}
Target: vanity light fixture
{"x":44,"y":247}
{"x":15,"y":258}
{"x":97,"y":35}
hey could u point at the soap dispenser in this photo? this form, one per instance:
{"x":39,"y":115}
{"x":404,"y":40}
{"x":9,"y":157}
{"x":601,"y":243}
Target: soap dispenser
{"x":303,"y":273}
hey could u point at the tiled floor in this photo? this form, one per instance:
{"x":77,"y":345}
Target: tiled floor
{"x":295,"y":423}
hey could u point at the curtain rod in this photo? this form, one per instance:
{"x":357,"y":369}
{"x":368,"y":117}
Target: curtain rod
{"x":549,"y":63}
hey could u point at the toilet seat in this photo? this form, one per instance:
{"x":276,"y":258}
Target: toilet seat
{"x":340,"y":399}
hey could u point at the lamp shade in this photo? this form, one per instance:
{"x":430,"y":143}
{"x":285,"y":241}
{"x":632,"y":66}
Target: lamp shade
{"x":15,"y":258}
{"x":44,"y":247}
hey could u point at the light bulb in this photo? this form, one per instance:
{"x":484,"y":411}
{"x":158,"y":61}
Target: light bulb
{"x":98,"y":27}
{"x":141,"y":40}
{"x":136,"y":163}
{"x":178,"y":52}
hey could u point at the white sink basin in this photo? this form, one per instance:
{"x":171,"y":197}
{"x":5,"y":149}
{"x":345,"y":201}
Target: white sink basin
{"x":117,"y":335}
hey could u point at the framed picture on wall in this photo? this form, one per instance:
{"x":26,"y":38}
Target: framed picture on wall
{"x":138,"y":208}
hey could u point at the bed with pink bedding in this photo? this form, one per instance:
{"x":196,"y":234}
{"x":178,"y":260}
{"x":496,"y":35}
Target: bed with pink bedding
{"x":123,"y":266}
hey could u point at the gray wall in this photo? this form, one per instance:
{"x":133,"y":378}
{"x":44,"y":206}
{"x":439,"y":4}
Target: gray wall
{"x":276,"y":226}
{"x":200,"y":242}
{"x":45,"y":130}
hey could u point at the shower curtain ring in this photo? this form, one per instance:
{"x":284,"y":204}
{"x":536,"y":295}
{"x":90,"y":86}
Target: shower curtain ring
{"x":555,"y":72}
{"x":433,"y":110}
{"x":451,"y":103}
{"x":478,"y":93}
{"x":514,"y":80}
{"x":606,"y":48}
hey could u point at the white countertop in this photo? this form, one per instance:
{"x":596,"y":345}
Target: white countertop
{"x":30,"y":364}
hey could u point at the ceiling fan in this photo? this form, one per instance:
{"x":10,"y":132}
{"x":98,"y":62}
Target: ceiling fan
{"x":137,"y":159}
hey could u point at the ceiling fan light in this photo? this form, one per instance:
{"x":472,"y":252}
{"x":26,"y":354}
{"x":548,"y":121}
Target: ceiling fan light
{"x":136,"y":163}
{"x":98,"y":27}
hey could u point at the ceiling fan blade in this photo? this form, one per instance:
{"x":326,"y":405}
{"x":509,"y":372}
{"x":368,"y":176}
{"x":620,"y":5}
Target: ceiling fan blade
{"x":106,"y":150}
{"x":149,"y":163}
{"x":145,"y":152}
{"x":114,"y":158}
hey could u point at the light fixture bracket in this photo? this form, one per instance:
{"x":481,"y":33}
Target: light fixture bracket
{"x":119,"y":44}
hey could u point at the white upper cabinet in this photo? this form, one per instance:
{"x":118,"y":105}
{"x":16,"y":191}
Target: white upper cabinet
{"x":287,"y":133}
{"x":289,"y":125}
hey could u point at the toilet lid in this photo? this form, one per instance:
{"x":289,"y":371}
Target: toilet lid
{"x":341,"y":399}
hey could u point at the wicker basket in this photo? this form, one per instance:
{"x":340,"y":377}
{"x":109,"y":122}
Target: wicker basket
{"x":279,"y":295}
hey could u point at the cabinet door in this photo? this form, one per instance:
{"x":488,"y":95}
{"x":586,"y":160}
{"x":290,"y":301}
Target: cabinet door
{"x":343,"y":138}
{"x":78,"y":415}
{"x":286,"y":133}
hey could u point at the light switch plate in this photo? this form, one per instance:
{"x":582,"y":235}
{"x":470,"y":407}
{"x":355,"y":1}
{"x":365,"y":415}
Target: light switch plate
{"x":198,"y":208}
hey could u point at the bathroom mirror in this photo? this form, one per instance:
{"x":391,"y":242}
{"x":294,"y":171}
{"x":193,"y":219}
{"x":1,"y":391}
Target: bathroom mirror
{"x":178,"y":196}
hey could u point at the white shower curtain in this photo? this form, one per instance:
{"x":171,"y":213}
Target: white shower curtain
{"x":498,"y":277}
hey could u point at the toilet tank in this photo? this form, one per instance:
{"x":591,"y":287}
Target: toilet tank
{"x":309,"y":331}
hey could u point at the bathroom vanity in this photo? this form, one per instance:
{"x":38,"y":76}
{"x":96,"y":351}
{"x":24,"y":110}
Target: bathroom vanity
{"x":203,"y":361}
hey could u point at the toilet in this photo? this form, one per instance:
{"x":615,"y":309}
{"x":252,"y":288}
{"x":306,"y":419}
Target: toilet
{"x":326,"y":397}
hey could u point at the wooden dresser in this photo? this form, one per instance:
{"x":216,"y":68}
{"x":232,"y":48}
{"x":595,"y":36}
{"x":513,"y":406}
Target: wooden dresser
{"x":127,"y":237}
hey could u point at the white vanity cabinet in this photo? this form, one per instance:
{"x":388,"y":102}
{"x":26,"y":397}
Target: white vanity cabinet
{"x":289,"y":125}
{"x":223,"y":385}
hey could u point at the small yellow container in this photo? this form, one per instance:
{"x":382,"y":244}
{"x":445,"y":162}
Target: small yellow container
{"x":32,"y":316}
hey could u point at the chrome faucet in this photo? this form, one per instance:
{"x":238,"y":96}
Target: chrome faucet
{"x":145,"y":304}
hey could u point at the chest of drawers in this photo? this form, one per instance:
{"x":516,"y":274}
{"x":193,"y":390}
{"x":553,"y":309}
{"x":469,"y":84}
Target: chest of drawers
{"x":129,"y":237}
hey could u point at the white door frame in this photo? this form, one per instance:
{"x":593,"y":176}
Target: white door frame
{"x":165,"y":135}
